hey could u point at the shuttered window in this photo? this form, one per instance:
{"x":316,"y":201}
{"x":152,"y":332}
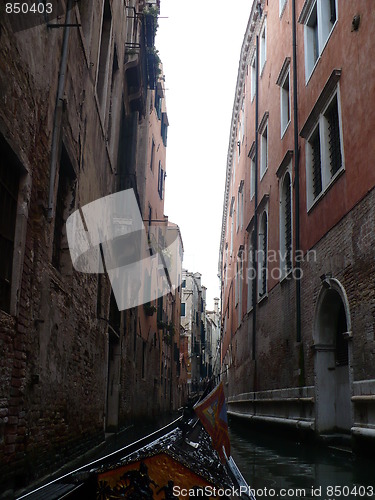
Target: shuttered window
{"x":324,"y":153}
{"x":316,"y":163}
{"x":332,"y":117}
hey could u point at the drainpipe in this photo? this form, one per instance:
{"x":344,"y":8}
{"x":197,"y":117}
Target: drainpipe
{"x":296,"y":172}
{"x":255,"y":240}
{"x":58,"y":113}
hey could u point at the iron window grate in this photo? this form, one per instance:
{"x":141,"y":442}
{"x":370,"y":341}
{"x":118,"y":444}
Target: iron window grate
{"x":332,"y":117}
{"x":316,"y":163}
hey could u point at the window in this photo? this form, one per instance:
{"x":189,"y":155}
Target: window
{"x":252,"y":171}
{"x":319,"y":17}
{"x":286,"y":224}
{"x":253,"y":77}
{"x":239,"y":283}
{"x":331,"y":120}
{"x":152,"y":154}
{"x":114,"y":108}
{"x":316,"y":164}
{"x":238,"y":212}
{"x":284,"y":83}
{"x":104,"y":56}
{"x":158,"y":103}
{"x":236,"y":285}
{"x":164,"y":127}
{"x":64,"y":207}
{"x":183,"y":284}
{"x":9,"y":184}
{"x":231,"y":237}
{"x":240,"y":206}
{"x":250,"y":275}
{"x":262,"y":257}
{"x":161,"y":181}
{"x":263,"y":46}
{"x":264,"y":145}
{"x":149,"y":222}
{"x":324,"y":157}
{"x":242,"y":123}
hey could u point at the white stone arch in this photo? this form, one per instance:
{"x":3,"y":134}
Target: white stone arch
{"x":332,"y":284}
{"x":333,"y":381}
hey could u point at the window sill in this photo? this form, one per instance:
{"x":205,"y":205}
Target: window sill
{"x":316,"y":200}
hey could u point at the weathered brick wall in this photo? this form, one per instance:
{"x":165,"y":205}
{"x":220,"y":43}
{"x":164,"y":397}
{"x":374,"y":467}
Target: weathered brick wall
{"x":53,"y":352}
{"x":348,"y":252}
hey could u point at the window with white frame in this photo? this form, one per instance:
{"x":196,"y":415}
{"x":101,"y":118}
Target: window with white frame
{"x":262,"y":254}
{"x":263,"y":46}
{"x":286,"y":223}
{"x":253,"y":77}
{"x":319,"y":18}
{"x":252,"y":171}
{"x":263,"y":130}
{"x":284,"y":83}
{"x":324,"y":156}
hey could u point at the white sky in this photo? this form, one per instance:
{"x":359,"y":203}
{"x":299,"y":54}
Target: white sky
{"x":199,"y":45}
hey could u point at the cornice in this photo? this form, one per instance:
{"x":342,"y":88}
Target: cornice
{"x":252,"y":28}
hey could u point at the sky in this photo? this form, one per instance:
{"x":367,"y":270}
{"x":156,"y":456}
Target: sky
{"x":199,"y":43}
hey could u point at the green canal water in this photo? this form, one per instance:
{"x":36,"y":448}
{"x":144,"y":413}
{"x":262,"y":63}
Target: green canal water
{"x":279,"y":467}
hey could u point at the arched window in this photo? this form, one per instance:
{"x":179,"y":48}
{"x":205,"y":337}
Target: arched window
{"x":286,"y":225}
{"x":262,"y":254}
{"x":250,"y":274}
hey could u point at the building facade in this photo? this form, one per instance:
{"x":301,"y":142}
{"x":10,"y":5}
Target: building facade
{"x":297,"y":253}
{"x":212,"y":351}
{"x":193,"y":324}
{"x":82,"y":116}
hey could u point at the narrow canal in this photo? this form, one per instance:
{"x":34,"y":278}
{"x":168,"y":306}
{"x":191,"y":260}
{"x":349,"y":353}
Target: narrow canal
{"x":277,"y":467}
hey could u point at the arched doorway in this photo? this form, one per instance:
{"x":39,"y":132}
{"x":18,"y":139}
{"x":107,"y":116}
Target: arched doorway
{"x":332,"y":334}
